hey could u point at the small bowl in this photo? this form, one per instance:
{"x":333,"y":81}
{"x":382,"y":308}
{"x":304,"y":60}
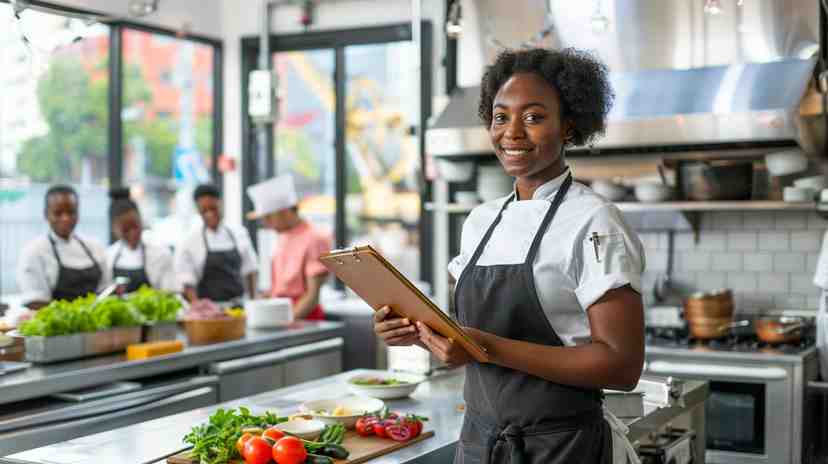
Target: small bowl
{"x":651,"y":192}
{"x":385,"y":392}
{"x":355,"y":406}
{"x":786,"y":162}
{"x":815,"y":183}
{"x":268,"y":313}
{"x":455,"y":171}
{"x":609,"y":190}
{"x":797,"y":194}
{"x":306,"y":429}
{"x":823,"y":196}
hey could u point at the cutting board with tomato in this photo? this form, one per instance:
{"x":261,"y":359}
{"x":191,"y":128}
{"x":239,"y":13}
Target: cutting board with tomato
{"x":362,"y":449}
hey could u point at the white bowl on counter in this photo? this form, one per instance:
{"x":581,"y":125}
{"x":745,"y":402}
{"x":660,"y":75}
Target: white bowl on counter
{"x":345,"y":410}
{"x":358,"y":384}
{"x":787,"y":162}
{"x":815,"y":183}
{"x":455,"y":171}
{"x":268,"y":313}
{"x":652,"y":192}
{"x":306,"y":429}
{"x":797,"y":194}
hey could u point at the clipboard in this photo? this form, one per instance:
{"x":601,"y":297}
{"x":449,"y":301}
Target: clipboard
{"x":380,"y":284}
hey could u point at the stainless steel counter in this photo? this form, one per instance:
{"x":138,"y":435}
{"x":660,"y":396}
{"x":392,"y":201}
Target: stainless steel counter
{"x":45,"y":379}
{"x":440,"y":398}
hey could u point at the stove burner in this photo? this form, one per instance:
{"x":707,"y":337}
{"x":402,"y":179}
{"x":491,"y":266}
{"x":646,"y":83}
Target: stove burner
{"x":735,"y":342}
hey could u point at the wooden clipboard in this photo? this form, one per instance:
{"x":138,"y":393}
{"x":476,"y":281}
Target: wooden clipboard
{"x":380,"y":284}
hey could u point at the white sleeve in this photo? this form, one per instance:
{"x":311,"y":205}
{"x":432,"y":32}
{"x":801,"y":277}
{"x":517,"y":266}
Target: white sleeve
{"x":161,"y":272}
{"x":249,"y":259}
{"x":456,"y":265}
{"x":821,"y":274}
{"x":185,"y":264}
{"x":620,"y":259}
{"x":31,"y":274}
{"x":100,"y":255}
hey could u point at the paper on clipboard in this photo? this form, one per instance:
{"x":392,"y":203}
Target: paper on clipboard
{"x":380,"y":284}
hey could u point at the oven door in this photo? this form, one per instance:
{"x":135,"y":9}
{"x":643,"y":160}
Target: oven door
{"x":748,"y":413}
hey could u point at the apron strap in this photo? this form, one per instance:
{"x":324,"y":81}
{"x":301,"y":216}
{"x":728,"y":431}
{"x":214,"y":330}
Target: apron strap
{"x":485,"y":240}
{"x":553,"y":209}
{"x":88,"y":253}
{"x":55,"y":252}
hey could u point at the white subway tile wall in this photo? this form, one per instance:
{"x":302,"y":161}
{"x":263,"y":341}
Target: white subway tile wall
{"x":767,"y":258}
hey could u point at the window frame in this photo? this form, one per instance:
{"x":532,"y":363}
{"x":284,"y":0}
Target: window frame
{"x":337,"y":40}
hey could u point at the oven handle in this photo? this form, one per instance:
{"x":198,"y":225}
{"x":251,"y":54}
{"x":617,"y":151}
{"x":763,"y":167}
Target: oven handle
{"x":758,"y":373}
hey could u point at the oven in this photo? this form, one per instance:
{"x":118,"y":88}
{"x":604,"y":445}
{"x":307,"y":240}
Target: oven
{"x":754,"y":413}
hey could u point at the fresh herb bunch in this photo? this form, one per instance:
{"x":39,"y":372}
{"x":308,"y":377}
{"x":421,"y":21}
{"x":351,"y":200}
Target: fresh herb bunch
{"x":81,"y":315}
{"x":155,"y":305}
{"x":215,"y":441}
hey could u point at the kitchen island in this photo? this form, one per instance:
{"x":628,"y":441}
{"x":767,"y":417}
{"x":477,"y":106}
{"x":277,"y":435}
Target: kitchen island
{"x":439,"y":398}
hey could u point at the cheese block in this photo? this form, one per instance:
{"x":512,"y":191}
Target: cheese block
{"x":148,"y":350}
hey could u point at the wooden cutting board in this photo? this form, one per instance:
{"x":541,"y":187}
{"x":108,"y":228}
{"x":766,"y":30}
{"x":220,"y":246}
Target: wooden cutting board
{"x":362,"y":449}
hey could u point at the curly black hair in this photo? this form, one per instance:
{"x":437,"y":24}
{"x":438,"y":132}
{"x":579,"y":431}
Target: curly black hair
{"x":580,"y":78}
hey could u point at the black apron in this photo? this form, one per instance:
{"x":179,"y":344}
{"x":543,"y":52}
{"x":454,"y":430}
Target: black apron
{"x":137,"y":277}
{"x":511,"y":416}
{"x":75,"y":283}
{"x":221,"y":279}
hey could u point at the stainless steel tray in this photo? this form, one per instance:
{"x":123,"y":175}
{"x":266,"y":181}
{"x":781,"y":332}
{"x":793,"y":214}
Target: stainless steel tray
{"x":624,"y":405}
{"x":75,"y":346}
{"x":98,"y":391}
{"x":7,"y":367}
{"x":157,"y":331}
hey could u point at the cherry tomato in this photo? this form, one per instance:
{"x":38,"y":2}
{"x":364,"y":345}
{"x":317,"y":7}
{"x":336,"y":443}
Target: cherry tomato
{"x":365,"y":425}
{"x":256,"y":451}
{"x":242,"y":440}
{"x":289,"y":450}
{"x":399,"y":431}
{"x":274,"y":434}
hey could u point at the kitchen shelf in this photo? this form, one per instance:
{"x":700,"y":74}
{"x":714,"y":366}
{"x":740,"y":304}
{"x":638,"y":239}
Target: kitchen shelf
{"x":451,"y":208}
{"x":717,"y":206}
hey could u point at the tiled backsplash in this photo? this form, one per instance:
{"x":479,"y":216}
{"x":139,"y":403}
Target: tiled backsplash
{"x":767,"y":258}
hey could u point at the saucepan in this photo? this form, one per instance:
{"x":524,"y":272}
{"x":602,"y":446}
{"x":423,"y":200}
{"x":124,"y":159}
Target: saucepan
{"x":707,"y":328}
{"x":779,"y":329}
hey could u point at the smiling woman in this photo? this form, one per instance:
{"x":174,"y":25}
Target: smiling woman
{"x":540,"y":270}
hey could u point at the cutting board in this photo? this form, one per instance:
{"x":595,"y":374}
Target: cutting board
{"x":362,"y":449}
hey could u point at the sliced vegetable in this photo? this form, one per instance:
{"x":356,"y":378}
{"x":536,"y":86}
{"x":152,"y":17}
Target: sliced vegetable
{"x":365,"y":425}
{"x":399,"y":432}
{"x":377,"y":381}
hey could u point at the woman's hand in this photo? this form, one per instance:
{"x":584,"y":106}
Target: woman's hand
{"x":446,"y":349}
{"x":393,"y":330}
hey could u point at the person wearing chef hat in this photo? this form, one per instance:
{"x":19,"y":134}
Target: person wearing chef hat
{"x":295,"y":270}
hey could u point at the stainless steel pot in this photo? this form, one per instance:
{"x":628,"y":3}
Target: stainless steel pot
{"x":716,"y":180}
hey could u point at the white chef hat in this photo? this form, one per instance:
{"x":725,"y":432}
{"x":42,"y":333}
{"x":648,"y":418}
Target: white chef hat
{"x":272,"y":195}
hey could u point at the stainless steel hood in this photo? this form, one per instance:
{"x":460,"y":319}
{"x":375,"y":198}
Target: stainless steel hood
{"x":682,"y":79}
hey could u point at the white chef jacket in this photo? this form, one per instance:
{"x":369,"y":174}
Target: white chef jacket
{"x":37,"y":268}
{"x":190,"y":254}
{"x":821,"y":275}
{"x":159,"y":262}
{"x":568,"y":277}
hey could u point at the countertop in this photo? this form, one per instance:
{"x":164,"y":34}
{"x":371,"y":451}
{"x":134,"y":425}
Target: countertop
{"x":439,"y":398}
{"x":44,"y":379}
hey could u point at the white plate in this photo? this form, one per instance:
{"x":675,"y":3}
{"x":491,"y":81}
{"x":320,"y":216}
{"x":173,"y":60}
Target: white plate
{"x":355,"y":406}
{"x":386,"y":392}
{"x":303,"y":428}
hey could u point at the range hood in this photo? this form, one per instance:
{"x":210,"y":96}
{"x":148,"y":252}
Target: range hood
{"x":668,"y":109}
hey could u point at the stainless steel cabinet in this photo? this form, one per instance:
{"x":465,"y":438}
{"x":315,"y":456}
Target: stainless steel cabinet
{"x":249,"y":376}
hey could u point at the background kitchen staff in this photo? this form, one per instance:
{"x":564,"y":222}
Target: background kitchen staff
{"x":295,"y":270}
{"x":61,"y":265}
{"x":215,"y":261}
{"x":143,"y":262}
{"x":559,"y":310}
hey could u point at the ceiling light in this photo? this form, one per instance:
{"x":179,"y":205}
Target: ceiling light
{"x":140,"y":8}
{"x":712,"y":7}
{"x":598,"y":21}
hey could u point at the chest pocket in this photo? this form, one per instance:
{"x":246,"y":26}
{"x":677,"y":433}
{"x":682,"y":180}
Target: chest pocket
{"x":606,"y":253}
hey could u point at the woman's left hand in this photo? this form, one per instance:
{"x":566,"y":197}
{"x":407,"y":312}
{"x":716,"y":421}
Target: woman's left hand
{"x":446,"y":349}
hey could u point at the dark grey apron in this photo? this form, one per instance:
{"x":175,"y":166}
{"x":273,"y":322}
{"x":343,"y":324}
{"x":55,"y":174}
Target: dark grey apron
{"x":221,"y":279}
{"x":75,"y":283}
{"x":511,"y":416}
{"x":137,"y":277}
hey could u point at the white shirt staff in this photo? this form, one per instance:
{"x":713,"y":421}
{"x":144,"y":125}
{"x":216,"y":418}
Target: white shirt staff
{"x":157,"y":261}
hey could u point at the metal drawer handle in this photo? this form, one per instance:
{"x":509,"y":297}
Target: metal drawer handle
{"x":680,"y":369}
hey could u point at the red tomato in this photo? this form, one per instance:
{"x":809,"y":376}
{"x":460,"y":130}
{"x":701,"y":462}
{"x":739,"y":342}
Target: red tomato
{"x":289,"y":450}
{"x":379,"y":428}
{"x":242,"y":440}
{"x":399,"y":431}
{"x":415,"y":426}
{"x":365,"y":425}
{"x":274,"y":434}
{"x":256,"y":451}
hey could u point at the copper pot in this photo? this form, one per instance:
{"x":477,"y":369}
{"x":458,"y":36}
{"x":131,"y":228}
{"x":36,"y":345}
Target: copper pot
{"x":716,"y":305}
{"x":779,"y":329}
{"x":706,"y":328}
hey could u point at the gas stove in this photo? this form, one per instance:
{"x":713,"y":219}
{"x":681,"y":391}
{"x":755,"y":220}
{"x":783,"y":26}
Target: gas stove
{"x":734,"y":343}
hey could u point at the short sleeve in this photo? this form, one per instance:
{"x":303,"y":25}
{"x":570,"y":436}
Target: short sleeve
{"x":821,"y":275}
{"x":318,"y":246}
{"x":31,"y":275}
{"x":456,"y":265}
{"x":607,"y":255}
{"x":184,"y":263}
